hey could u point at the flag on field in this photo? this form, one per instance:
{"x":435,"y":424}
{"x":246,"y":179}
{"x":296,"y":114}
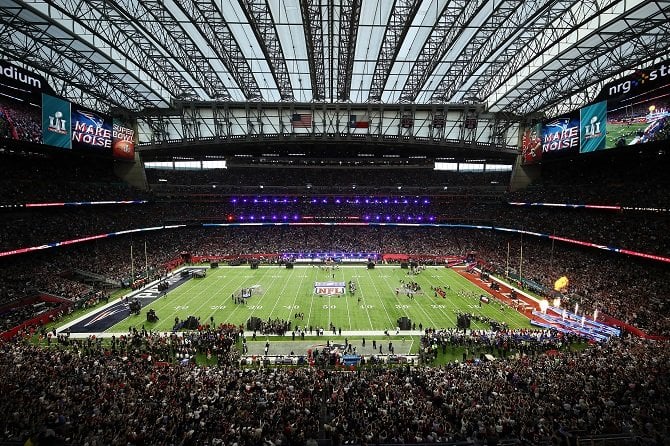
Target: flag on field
{"x":301,"y":120}
{"x":407,"y":121}
{"x":439,"y":121}
{"x":362,"y":123}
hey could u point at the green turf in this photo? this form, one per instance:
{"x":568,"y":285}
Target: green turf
{"x":627,"y":131}
{"x":290,"y":291}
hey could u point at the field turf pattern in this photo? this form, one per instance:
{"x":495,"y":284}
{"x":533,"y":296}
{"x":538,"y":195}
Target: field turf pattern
{"x":290,"y":291}
{"x":628,"y":131}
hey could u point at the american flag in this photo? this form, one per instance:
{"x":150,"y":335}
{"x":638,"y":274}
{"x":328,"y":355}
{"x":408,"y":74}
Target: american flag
{"x":301,"y":120}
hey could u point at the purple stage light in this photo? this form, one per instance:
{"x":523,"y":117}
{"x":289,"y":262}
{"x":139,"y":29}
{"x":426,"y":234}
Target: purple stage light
{"x":234,"y":200}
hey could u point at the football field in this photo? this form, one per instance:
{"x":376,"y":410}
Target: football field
{"x":380,"y":299}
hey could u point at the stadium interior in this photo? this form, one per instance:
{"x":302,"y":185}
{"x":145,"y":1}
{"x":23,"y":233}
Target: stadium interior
{"x":146,"y":146}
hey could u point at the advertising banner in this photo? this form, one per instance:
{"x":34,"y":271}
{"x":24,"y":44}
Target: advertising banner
{"x":531,"y":144}
{"x":21,"y":103}
{"x":123,"y":140}
{"x":560,"y":137}
{"x":91,"y":131}
{"x":593,"y":120}
{"x":638,"y":107}
{"x":56,"y":130}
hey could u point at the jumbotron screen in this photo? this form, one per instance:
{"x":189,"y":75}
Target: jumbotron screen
{"x":31,"y":112}
{"x":21,"y":103}
{"x":630,"y":111}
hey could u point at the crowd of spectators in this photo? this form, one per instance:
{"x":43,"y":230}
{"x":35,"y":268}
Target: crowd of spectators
{"x":95,"y":394}
{"x":637,"y":231}
{"x":254,"y":179}
{"x":40,"y":178}
{"x":131,"y":391}
{"x":20,"y":122}
{"x":630,"y":179}
{"x":631,"y":290}
{"x":502,"y":342}
{"x":15,"y":316}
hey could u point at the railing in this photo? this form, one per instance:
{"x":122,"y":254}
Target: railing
{"x":609,"y":440}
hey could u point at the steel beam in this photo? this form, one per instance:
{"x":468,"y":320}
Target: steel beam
{"x":313,"y":26}
{"x":453,"y":20}
{"x":260,"y":18}
{"x":402,"y":16}
{"x":350,"y":11}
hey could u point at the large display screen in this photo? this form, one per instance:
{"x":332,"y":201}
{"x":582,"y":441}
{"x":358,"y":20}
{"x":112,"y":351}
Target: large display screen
{"x":21,"y":103}
{"x":531,"y":144}
{"x":123,"y":140}
{"x":638,"y":107}
{"x":560,"y":137}
{"x":30,"y":111}
{"x":593,"y":120}
{"x":56,"y":128}
{"x":91,"y":131}
{"x":632,"y":110}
